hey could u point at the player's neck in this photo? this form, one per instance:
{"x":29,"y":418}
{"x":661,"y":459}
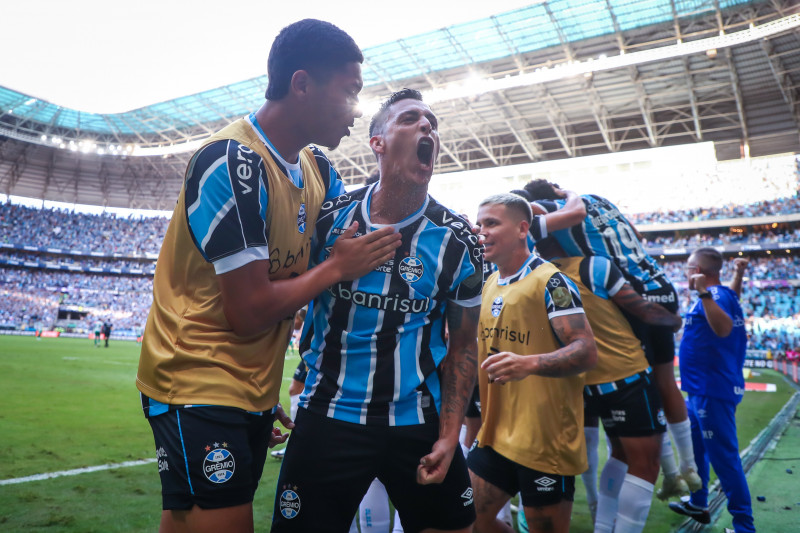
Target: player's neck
{"x":392,"y":202}
{"x":272,"y":117}
{"x":511,"y":266}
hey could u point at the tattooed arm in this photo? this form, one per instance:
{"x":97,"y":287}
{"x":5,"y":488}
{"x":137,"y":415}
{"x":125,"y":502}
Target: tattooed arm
{"x":652,"y":313}
{"x":459,"y":370}
{"x":579,"y":354}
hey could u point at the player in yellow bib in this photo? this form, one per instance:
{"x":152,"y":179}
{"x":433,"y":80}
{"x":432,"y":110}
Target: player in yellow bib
{"x":232,"y":273}
{"x":534,"y":345}
{"x":620,"y":389}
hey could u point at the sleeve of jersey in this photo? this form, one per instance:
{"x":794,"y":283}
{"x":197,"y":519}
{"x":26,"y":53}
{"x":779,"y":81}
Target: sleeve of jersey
{"x":469,"y":278}
{"x":601,"y":276}
{"x":226,"y":205}
{"x":538,"y":228}
{"x":334,"y":186}
{"x":561,"y":297}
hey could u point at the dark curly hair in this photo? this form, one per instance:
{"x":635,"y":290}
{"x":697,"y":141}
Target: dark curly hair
{"x":316,"y":46}
{"x":542,"y":190}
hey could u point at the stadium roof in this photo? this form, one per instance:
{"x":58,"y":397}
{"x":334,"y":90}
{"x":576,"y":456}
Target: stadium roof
{"x":559,"y":78}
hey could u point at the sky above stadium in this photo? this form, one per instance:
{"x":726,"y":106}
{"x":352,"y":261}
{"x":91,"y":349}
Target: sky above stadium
{"x":110,"y":57}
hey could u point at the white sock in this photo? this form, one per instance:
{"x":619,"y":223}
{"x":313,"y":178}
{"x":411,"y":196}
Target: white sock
{"x":354,"y":525}
{"x":373,"y":513}
{"x":682,"y":435}
{"x":592,"y":436}
{"x":504,"y":515}
{"x":295,"y":402}
{"x":608,"y":495}
{"x":634,"y":505}
{"x":668,"y":464}
{"x":398,"y":527}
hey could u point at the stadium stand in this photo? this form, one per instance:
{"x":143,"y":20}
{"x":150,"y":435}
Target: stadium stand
{"x":100,"y":267}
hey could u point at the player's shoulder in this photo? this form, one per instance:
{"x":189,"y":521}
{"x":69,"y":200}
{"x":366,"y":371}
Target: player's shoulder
{"x":217,"y":153}
{"x":343,"y":201}
{"x":324,"y":164}
{"x":598,"y":262}
{"x":319,"y":155}
{"x":446,"y":218}
{"x":540,"y":266}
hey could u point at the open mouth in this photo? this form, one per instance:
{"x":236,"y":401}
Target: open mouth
{"x":425,"y":151}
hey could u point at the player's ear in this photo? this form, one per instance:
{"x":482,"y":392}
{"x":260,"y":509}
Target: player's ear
{"x":300,"y":82}
{"x":524,"y":226}
{"x":377,"y":144}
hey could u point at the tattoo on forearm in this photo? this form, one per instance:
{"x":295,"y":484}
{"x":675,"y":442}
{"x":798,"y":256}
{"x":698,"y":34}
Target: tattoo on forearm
{"x":573,"y":357}
{"x":461,"y":363}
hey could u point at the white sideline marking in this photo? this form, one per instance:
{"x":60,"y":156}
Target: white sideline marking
{"x":126,"y":363}
{"x":75,"y":472}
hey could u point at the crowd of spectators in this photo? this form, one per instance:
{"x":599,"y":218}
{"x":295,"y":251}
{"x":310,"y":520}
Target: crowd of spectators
{"x":84,"y":263}
{"x":697,"y":240}
{"x":32,"y":298}
{"x":773,"y":267}
{"x":730,"y":189}
{"x":780,"y":206}
{"x":60,"y":228}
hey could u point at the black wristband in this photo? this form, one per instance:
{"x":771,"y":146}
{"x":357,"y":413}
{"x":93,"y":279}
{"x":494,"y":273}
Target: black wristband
{"x":703,"y":295}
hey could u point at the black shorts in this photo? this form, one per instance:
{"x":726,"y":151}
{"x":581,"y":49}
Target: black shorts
{"x":536,"y":489}
{"x":628,"y":407}
{"x":658,"y":341}
{"x":329,"y":465}
{"x":474,"y":405}
{"x":300,"y":372}
{"x":210,"y":456}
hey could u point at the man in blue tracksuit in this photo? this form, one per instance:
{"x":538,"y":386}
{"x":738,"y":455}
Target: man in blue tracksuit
{"x":711,"y":355}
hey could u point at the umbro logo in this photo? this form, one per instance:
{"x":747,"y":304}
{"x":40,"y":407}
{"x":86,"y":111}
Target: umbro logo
{"x":467,"y":495}
{"x":545,"y":484}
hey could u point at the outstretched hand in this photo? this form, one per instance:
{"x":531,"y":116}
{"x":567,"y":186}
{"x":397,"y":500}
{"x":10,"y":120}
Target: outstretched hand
{"x":357,"y":256}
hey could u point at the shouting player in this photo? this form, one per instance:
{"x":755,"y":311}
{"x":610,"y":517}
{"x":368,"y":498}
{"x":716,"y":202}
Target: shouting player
{"x":385,"y":394}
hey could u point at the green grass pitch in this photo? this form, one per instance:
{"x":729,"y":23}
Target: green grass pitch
{"x":70,"y":405}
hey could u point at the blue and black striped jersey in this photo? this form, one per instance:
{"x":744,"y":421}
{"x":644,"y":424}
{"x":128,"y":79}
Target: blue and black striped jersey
{"x":607,"y":233}
{"x":375,"y":344}
{"x":227,"y":221}
{"x":601,"y":276}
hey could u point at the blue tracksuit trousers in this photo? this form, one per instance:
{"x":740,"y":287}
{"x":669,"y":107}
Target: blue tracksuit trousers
{"x":715,"y":441}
